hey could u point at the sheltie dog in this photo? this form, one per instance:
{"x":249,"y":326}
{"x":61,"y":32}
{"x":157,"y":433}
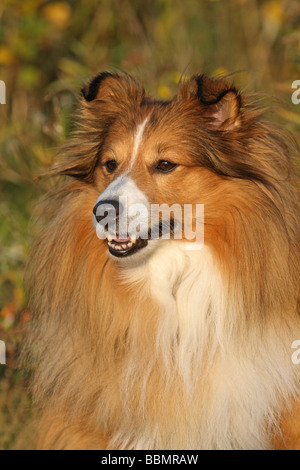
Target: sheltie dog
{"x":160,"y":343}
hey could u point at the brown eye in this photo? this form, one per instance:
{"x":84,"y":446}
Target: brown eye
{"x":165,"y":166}
{"x":111,"y":165}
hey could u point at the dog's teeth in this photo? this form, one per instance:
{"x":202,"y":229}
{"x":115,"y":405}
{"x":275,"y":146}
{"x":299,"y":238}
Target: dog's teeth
{"x":118,"y":246}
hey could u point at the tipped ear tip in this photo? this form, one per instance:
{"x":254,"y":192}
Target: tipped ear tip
{"x":211,"y":90}
{"x":90,"y":91}
{"x":112,"y":86}
{"x":221,"y":102}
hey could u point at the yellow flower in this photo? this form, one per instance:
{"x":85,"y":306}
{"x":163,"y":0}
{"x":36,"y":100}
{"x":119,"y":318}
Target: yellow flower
{"x":180,"y":77}
{"x":58,"y":13}
{"x":7,"y":57}
{"x":220,"y":71}
{"x":273,"y":11}
{"x":164,"y":92}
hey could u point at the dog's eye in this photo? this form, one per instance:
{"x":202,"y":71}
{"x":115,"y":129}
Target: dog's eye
{"x":111,"y":165}
{"x":165,"y":166}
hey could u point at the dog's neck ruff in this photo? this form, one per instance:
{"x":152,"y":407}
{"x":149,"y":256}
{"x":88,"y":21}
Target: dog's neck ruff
{"x":229,"y":400}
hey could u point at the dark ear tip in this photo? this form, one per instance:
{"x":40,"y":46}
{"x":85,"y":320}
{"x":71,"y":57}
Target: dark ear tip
{"x":221,"y":88}
{"x":83,"y":92}
{"x":90,"y":91}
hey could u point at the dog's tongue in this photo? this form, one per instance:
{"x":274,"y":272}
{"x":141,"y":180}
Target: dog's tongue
{"x":121,"y":240}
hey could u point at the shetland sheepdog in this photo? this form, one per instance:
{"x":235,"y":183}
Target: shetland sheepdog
{"x":141,"y":342}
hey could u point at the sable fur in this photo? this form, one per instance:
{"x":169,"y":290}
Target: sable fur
{"x":185,"y":351}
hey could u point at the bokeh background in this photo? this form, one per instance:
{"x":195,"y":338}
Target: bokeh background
{"x":49,"y":49}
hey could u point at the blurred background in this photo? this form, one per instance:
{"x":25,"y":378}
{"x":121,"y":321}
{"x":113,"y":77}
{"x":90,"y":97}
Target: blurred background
{"x":49,"y":49}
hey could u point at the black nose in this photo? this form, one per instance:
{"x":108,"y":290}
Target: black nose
{"x":107,"y":209}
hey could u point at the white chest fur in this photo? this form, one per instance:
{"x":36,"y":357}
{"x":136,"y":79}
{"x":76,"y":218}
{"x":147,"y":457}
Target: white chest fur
{"x":245,"y":375}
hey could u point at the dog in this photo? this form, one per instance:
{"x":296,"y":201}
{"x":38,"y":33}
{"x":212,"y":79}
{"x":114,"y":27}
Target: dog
{"x":168,"y":341}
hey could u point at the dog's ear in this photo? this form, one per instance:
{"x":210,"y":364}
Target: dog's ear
{"x":220,"y":103}
{"x":112,"y":88}
{"x":105,"y":98}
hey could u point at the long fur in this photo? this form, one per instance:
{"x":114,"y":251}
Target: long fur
{"x":187,"y":350}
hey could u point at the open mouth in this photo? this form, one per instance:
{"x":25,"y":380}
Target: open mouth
{"x":122,"y":247}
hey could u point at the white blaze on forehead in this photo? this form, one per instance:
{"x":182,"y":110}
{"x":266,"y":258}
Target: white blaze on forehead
{"x":137,"y":140}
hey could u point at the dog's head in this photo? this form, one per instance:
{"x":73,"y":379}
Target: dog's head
{"x":155,"y":163}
